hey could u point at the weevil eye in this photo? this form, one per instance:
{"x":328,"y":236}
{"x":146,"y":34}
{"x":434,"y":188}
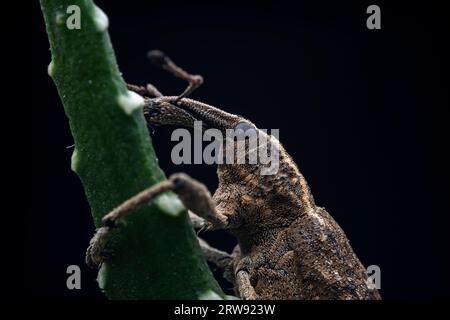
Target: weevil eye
{"x":244,"y":126}
{"x":244,"y":129}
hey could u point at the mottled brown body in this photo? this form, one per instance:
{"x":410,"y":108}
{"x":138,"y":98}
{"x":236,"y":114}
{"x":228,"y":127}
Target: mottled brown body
{"x":288,"y":248}
{"x":291,"y":248}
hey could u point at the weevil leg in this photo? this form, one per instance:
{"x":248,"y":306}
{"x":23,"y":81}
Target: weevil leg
{"x":95,"y":253}
{"x":197,"y":222}
{"x":148,"y":91}
{"x":159,"y":59}
{"x":222,"y":259}
{"x":245,"y":288}
{"x":194,"y":195}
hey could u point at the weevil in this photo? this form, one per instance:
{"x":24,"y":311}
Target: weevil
{"x":288,"y":247}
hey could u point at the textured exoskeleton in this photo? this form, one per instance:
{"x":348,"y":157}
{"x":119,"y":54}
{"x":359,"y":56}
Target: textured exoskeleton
{"x":288,"y":247}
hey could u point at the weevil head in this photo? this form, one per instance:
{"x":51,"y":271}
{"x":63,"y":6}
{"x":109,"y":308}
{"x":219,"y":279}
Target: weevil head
{"x":243,"y":147}
{"x":248,"y":159}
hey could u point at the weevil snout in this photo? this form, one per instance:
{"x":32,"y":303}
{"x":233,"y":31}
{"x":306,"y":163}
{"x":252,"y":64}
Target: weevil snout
{"x":160,"y":113}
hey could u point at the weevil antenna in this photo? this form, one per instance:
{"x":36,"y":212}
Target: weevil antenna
{"x":161,"y":60}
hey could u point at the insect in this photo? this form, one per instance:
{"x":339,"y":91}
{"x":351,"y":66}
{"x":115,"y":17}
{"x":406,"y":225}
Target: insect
{"x":288,"y":247}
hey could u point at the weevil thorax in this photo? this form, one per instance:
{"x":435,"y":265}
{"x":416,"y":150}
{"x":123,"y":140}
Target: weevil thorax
{"x":261,"y":202}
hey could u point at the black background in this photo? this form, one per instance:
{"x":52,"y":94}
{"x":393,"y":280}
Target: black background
{"x":360,"y":111}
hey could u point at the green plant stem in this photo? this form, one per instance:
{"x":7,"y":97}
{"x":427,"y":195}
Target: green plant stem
{"x":155,"y":252}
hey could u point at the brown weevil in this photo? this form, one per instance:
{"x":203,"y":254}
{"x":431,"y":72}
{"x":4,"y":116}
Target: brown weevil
{"x":288,"y":248}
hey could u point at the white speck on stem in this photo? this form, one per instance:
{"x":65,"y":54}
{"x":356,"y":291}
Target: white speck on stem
{"x":130,"y":102}
{"x":60,"y":18}
{"x":51,"y":69}
{"x":75,"y":160}
{"x":100,"y":19}
{"x":170,"y":205}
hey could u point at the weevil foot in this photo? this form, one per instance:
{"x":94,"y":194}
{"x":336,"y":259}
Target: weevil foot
{"x":148,"y":91}
{"x":96,"y":252}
